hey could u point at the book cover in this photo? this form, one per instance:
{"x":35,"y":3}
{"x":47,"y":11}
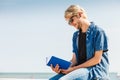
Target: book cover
{"x":61,"y":62}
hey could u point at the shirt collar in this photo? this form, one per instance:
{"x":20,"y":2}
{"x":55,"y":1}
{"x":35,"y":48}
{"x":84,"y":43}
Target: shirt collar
{"x":90,"y":27}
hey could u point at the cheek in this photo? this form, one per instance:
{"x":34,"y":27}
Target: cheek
{"x":75,"y":22}
{"x":75,"y":26}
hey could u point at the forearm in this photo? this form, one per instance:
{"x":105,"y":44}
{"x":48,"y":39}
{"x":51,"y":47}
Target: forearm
{"x":88,"y":63}
{"x":91,"y":62}
{"x":73,"y":63}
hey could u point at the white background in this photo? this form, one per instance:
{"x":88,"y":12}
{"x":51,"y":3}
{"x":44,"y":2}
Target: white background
{"x":31,"y":30}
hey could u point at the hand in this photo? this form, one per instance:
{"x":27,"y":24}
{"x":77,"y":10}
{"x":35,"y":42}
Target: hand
{"x":56,"y":69}
{"x":67,"y":71}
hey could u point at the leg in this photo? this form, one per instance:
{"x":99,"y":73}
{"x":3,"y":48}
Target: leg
{"x":79,"y":74}
{"x":101,"y":79}
{"x":56,"y":77}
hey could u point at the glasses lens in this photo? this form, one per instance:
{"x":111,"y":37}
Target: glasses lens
{"x":70,"y":20}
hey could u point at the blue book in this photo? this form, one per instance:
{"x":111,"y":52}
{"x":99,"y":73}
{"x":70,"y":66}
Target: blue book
{"x":62,"y":63}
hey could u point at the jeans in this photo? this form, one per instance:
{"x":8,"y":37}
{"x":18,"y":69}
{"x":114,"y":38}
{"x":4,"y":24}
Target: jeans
{"x":79,"y":74}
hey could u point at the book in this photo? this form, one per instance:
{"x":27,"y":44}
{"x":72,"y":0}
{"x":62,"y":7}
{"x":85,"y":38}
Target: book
{"x":63,"y":64}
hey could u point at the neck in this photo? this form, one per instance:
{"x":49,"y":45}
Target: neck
{"x":85,"y":25}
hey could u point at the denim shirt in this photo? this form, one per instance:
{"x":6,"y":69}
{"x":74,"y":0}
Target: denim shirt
{"x":96,"y":40}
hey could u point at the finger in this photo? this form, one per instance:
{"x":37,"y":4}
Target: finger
{"x":57,"y":70}
{"x":64,"y":71}
{"x":52,"y":67}
{"x":57,"y":67}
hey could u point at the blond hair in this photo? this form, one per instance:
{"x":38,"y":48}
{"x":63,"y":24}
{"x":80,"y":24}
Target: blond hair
{"x":73,"y":10}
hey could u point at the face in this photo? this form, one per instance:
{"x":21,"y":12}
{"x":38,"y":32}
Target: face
{"x":74,"y":21}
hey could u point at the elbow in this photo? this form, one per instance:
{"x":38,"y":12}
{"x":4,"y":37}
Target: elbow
{"x":97,"y":61}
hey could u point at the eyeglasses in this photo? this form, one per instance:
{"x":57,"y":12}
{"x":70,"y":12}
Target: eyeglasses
{"x":71,"y":20}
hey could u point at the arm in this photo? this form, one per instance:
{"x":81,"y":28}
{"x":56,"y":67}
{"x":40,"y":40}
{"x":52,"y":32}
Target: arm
{"x":93,"y":61}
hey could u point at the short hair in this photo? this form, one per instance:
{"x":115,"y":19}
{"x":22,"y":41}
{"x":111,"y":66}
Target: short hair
{"x":73,"y":10}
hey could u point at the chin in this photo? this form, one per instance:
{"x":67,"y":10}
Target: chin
{"x":77,"y":28}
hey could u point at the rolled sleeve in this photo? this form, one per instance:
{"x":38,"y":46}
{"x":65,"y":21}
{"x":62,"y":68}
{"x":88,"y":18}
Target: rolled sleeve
{"x":100,"y":41}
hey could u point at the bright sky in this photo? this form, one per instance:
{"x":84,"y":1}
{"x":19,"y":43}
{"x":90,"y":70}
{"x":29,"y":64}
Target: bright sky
{"x":31,"y":30}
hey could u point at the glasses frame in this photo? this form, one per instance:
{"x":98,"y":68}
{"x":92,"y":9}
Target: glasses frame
{"x":70,"y":20}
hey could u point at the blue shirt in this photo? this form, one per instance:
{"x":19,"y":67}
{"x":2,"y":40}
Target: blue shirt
{"x":96,"y":40}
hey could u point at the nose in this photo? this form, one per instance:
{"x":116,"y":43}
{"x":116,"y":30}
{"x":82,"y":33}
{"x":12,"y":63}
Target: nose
{"x":73,"y":24}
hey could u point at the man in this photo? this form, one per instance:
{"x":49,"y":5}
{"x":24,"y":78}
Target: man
{"x":90,"y":49}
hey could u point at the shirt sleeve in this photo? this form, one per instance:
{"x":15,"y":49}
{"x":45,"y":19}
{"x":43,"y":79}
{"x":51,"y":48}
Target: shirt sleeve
{"x":74,"y":42}
{"x":101,"y":41}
